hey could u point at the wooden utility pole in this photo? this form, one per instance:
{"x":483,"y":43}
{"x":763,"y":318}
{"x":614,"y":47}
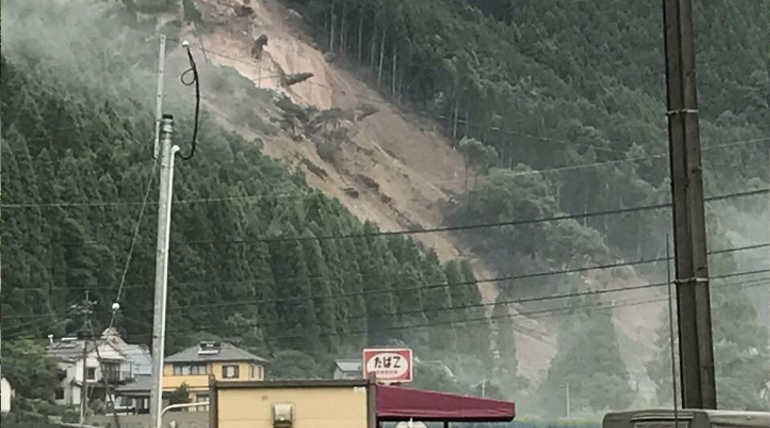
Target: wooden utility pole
{"x":84,"y":386}
{"x":85,"y":309}
{"x":692,"y":275}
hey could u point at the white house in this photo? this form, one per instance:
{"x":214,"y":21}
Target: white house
{"x":120,"y":363}
{"x":6,"y":394}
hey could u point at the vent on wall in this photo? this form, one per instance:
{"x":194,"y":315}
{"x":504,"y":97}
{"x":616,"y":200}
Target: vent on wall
{"x":283,"y":415}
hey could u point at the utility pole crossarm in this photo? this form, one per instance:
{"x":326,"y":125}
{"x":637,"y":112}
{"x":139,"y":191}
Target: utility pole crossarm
{"x":693,"y":297}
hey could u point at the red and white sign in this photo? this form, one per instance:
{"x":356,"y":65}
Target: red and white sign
{"x":389,"y":365}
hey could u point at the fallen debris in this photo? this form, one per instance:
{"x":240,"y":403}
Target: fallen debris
{"x":294,"y":78}
{"x":259,"y":44}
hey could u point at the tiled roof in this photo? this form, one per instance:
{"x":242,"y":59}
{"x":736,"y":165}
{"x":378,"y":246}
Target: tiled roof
{"x":227,"y":352}
{"x":69,"y":350}
{"x":140,"y":384}
{"x":350,"y":365}
{"x":140,"y":356}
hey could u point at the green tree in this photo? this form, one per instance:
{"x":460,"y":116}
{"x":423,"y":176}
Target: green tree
{"x":180,"y":395}
{"x":588,"y":360}
{"x":294,"y":294}
{"x":290,"y":364}
{"x":506,"y":342}
{"x":29,"y":369}
{"x":320,"y":283}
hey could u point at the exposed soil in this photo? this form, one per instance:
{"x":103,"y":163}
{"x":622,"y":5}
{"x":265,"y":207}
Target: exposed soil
{"x":397,"y":169}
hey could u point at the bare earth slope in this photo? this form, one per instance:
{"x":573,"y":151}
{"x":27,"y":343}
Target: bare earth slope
{"x":398,"y":172}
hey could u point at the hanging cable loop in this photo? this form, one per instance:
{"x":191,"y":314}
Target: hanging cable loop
{"x":194,"y":70}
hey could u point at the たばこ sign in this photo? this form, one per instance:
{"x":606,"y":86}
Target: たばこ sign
{"x":393,"y":365}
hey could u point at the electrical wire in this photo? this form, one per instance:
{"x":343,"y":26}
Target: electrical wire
{"x":545,"y":313}
{"x":439,"y":285}
{"x":133,"y":241}
{"x":382,"y":102}
{"x":180,"y":285}
{"x":470,"y":226}
{"x":65,"y":204}
{"x":194,"y":69}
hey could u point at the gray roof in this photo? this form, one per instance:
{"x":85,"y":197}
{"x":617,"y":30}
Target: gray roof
{"x":140,"y":386}
{"x":348,"y":365}
{"x":70,"y":350}
{"x":140,"y":356}
{"x":227,"y":352}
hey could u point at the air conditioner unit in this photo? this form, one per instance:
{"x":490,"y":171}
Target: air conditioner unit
{"x":283,"y":415}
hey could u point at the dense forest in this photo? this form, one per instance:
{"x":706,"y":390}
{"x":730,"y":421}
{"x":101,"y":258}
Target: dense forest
{"x":570,"y":97}
{"x":557,"y":108}
{"x":257,"y":257}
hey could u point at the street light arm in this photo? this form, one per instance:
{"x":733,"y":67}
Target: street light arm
{"x":178,"y":406}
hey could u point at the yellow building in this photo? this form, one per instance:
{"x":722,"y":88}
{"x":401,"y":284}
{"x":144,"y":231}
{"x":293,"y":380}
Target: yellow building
{"x":223,"y":361}
{"x":293,"y":404}
{"x":193,"y":367}
{"x":342,"y":403}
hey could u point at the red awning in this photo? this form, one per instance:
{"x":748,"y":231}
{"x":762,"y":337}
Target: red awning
{"x":398,"y":403}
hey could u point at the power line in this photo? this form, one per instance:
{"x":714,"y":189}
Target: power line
{"x":65,"y":204}
{"x":383,"y":102}
{"x":545,"y":313}
{"x":194,"y":69}
{"x":471,"y":226}
{"x":420,"y":287}
{"x":439,"y":285}
{"x":133,"y":240}
{"x":465,"y":306}
{"x":461,"y":227}
{"x":475,"y":281}
{"x":466,"y":321}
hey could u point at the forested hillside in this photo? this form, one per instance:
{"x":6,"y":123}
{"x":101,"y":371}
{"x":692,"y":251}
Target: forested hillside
{"x":575,"y":89}
{"x":571,"y":97}
{"x":558,"y":109}
{"x":257,"y":256}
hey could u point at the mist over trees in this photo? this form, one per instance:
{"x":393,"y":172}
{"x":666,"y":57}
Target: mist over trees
{"x":306,"y":280}
{"x":557,"y":109}
{"x":571,"y":98}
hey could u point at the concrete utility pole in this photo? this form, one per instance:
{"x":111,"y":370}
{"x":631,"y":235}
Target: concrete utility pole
{"x":671,"y":326}
{"x":1,"y":207}
{"x":159,"y":95}
{"x":692,"y":274}
{"x":161,"y":266}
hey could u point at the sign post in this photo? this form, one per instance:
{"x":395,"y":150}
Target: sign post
{"x":388,"y":365}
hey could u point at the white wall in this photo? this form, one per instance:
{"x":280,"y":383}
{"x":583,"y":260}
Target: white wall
{"x":5,"y":395}
{"x":75,"y":373}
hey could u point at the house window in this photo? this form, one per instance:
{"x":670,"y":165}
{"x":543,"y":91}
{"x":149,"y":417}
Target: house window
{"x":126,"y":401}
{"x":91,"y":373}
{"x":201,"y":398}
{"x":111,"y":372}
{"x":252,"y":371}
{"x":187,"y":370}
{"x":230,"y":372}
{"x":59,"y":394}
